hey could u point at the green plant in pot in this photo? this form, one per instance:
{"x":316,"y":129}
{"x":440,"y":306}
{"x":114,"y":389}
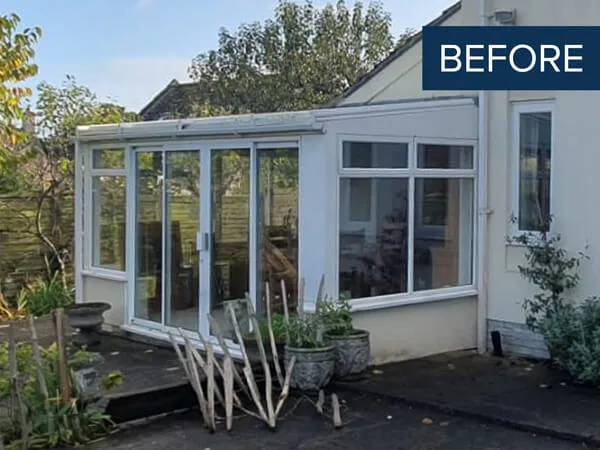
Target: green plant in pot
{"x":278,"y":325}
{"x":315,"y":358}
{"x":352,"y":346}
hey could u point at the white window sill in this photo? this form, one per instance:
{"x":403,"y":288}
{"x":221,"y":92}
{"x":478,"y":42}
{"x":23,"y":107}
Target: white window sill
{"x":105,"y":274}
{"x":416,"y":298}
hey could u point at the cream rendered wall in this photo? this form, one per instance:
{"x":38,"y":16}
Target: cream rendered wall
{"x":102,"y":290}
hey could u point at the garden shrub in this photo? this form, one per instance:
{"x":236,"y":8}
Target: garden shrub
{"x":51,"y":423}
{"x":570,"y":329}
{"x":572,"y":335}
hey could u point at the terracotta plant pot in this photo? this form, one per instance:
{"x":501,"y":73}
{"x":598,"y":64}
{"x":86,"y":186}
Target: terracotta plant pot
{"x":352,"y":354}
{"x":313,"y":369}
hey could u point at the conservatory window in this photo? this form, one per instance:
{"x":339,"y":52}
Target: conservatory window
{"x":108,"y":185}
{"x":405,"y":224}
{"x":533,"y":154}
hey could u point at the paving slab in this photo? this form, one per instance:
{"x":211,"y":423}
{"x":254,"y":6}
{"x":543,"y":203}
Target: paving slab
{"x":369,"y":422}
{"x":526,"y":395}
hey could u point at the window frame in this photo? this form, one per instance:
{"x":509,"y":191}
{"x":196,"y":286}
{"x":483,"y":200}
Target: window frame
{"x":518,"y":109}
{"x":91,"y":245}
{"x":411,"y":173}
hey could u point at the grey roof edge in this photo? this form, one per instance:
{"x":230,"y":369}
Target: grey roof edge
{"x":170,"y":85}
{"x":412,"y":41}
{"x":411,"y":100}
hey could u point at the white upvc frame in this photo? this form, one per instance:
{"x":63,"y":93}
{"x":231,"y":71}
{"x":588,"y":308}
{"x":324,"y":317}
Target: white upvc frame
{"x":205,"y":149}
{"x":515,"y":158}
{"x":90,"y":218}
{"x":411,"y":173}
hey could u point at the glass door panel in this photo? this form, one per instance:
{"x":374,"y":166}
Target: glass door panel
{"x":277,"y":226}
{"x":149,"y":249}
{"x":183,"y":223}
{"x":230,"y":231}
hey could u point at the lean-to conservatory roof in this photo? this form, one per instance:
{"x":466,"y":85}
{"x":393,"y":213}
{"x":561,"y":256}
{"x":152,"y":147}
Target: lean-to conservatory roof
{"x":300,"y":122}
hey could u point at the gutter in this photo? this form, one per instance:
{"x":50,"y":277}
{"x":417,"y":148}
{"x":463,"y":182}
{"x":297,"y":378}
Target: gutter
{"x":483,"y":209}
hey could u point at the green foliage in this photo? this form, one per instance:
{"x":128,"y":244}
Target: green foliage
{"x":278,"y":325}
{"x":336,"y":315}
{"x":305,"y":331}
{"x":44,"y":296}
{"x":52,"y":422}
{"x":302,"y":58}
{"x":572,"y":334}
{"x":551,"y":269}
{"x":16,"y":66}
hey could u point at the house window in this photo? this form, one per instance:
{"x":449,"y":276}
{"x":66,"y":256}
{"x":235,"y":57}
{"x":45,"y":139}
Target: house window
{"x":405,"y":227}
{"x":108,"y":208}
{"x":533,"y":153}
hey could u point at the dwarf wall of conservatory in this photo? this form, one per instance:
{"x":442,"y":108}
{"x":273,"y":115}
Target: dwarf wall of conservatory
{"x":176,"y":218}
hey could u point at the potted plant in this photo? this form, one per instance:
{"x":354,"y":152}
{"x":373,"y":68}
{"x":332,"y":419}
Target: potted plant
{"x":352,"y":346}
{"x":315,"y":359}
{"x":278,"y":325}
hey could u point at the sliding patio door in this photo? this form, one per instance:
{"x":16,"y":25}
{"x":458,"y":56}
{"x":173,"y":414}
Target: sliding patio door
{"x":213,"y":225}
{"x":167,"y":222}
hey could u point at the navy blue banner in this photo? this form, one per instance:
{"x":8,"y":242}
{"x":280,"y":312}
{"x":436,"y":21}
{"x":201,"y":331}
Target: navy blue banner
{"x":511,"y":58}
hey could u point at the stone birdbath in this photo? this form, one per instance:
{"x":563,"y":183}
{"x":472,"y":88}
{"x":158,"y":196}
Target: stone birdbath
{"x":88,"y":318}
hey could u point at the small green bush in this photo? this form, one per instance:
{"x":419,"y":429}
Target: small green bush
{"x":305,"y":331}
{"x":572,"y":335}
{"x":336,"y":316}
{"x":278,"y":325}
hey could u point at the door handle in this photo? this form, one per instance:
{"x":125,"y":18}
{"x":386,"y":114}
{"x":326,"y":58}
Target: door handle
{"x":202,"y":242}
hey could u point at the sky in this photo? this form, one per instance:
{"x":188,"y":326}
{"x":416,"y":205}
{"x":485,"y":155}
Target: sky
{"x":128,"y":50}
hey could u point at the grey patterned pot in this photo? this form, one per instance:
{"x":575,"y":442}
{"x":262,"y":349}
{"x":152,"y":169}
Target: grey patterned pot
{"x":87,"y":317}
{"x":313,"y":369}
{"x":352,"y":354}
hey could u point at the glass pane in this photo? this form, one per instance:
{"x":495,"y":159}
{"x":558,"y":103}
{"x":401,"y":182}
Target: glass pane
{"x":108,"y":200}
{"x":278,"y":226}
{"x":443,"y":233}
{"x":149,"y":191}
{"x":113,"y":158}
{"x":183,"y":220}
{"x":374,"y":253}
{"x":534,"y":175}
{"x":376,"y":155}
{"x":444,"y":156}
{"x":230,"y":189}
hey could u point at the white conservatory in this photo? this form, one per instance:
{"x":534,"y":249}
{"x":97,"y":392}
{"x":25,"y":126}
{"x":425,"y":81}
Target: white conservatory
{"x":176,"y":217}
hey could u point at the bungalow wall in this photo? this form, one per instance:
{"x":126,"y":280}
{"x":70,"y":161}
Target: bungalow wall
{"x":575,"y":159}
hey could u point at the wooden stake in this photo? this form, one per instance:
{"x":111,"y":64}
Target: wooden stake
{"x":63,"y":368}
{"x":286,"y":385}
{"x":182,"y":359}
{"x":210,"y":386}
{"x":18,"y":407}
{"x":286,"y":311}
{"x":228,"y":387}
{"x":321,"y":401}
{"x":35,"y":349}
{"x":320,"y":290}
{"x":247,"y":366}
{"x":300,"y":305}
{"x":272,"y":336}
{"x":221,"y":339}
{"x":196,"y":383}
{"x":335,"y":405}
{"x":265,"y":364}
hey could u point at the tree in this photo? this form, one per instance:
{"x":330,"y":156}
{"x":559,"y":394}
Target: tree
{"x":48,"y":175}
{"x":301,"y":59}
{"x":16,"y":66}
